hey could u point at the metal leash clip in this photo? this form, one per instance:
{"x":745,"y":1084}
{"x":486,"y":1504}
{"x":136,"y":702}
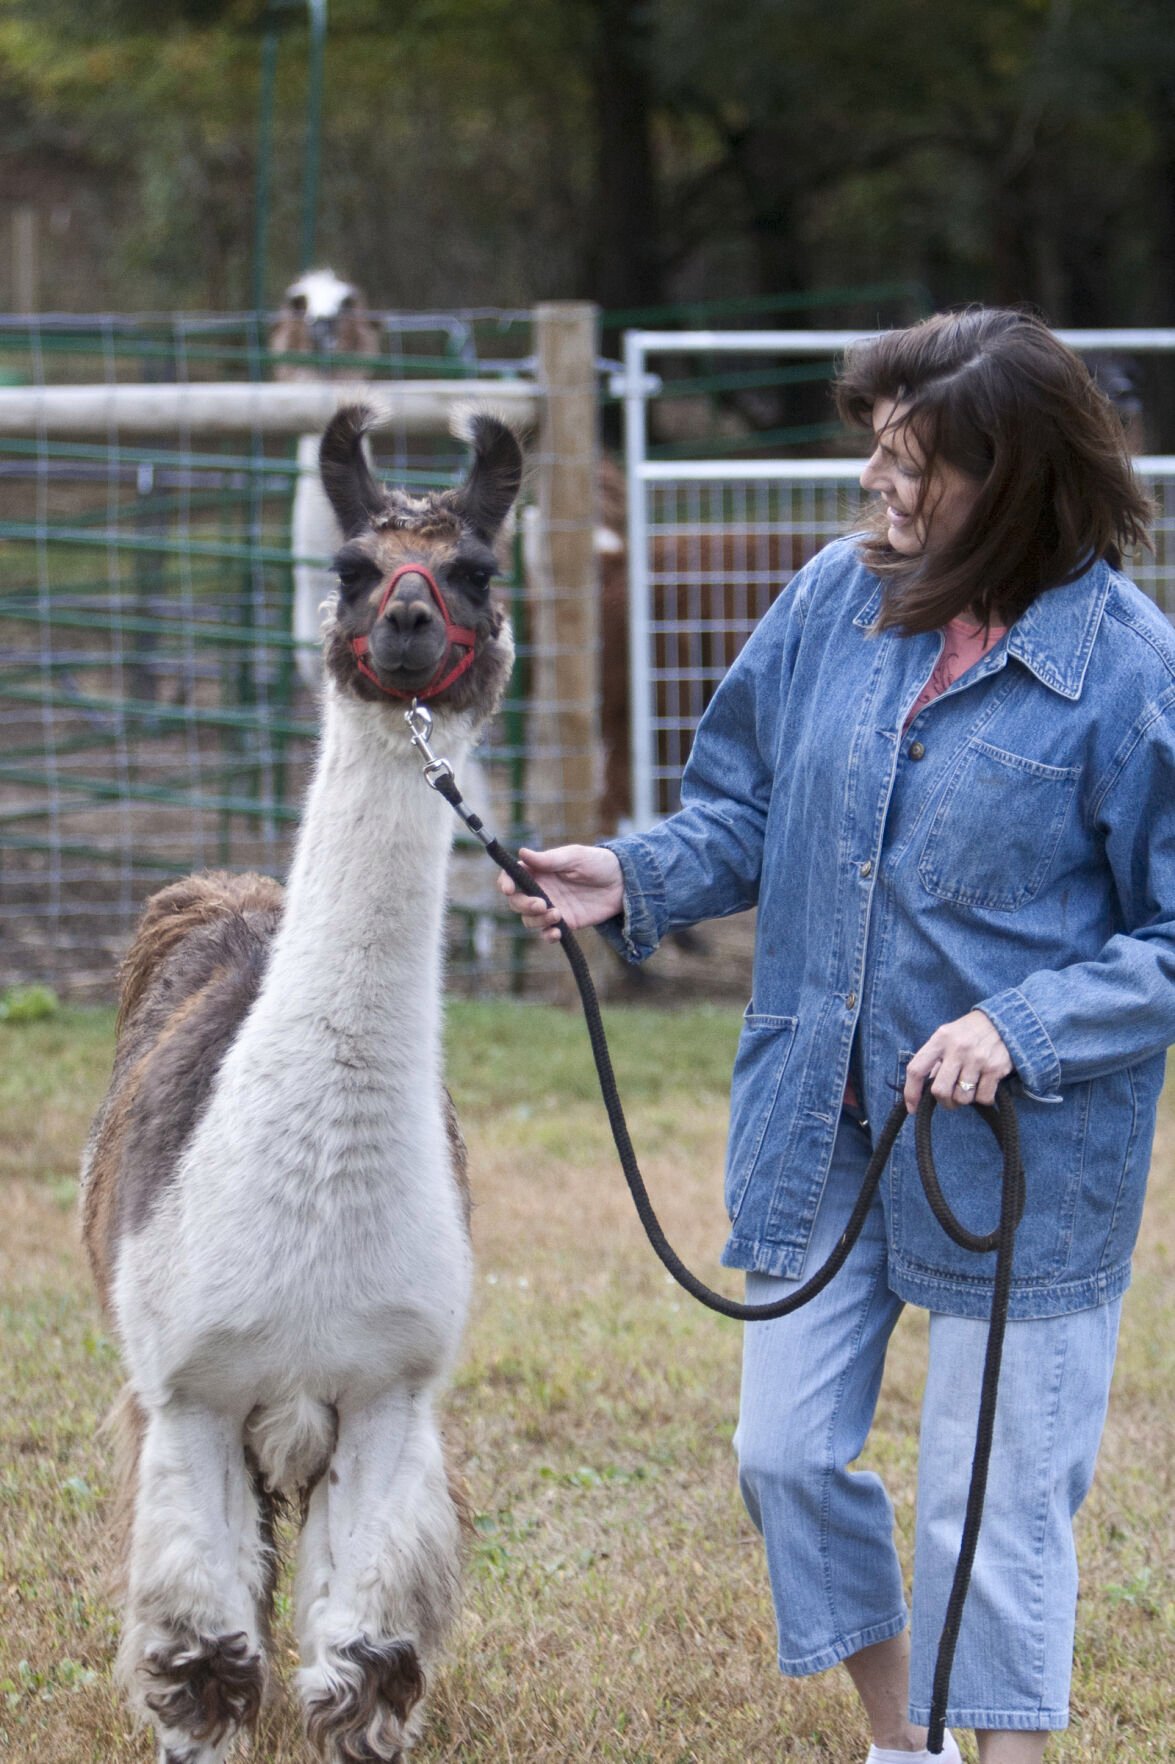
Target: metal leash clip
{"x":419,"y":720}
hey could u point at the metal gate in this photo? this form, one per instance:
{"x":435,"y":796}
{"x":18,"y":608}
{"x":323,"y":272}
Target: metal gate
{"x":712,"y":542}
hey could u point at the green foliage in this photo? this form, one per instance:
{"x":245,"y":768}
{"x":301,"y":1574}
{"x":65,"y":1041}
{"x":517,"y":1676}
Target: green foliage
{"x":1019,"y":149}
{"x":1002,"y":151}
{"x":28,"y":1004}
{"x":452,"y":139}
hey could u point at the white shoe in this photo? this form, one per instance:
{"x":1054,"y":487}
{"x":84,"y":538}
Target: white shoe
{"x":950,"y":1754}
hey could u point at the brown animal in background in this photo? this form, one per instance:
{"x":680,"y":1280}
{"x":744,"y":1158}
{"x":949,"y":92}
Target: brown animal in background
{"x":708,"y":591}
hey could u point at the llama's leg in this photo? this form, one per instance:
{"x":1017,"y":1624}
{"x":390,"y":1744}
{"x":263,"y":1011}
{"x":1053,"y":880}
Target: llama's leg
{"x":190,"y":1654}
{"x":378,"y":1581}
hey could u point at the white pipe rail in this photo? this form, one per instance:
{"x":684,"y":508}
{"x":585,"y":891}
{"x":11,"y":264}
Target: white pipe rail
{"x":295,"y":407}
{"x":833,"y":342}
{"x":783,"y":471}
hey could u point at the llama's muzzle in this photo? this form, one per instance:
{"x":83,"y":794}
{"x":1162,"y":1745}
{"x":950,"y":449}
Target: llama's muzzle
{"x":459,"y":639}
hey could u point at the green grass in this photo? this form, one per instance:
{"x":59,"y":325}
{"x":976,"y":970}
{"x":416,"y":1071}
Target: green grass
{"x":504,"y":1054}
{"x":617,"y":1607}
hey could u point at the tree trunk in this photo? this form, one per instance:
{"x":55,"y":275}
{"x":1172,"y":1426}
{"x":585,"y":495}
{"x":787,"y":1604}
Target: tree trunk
{"x":1163,"y":275}
{"x":627,"y":255}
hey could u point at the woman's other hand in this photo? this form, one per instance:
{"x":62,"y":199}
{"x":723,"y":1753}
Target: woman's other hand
{"x":583,"y":882}
{"x":964,"y":1061}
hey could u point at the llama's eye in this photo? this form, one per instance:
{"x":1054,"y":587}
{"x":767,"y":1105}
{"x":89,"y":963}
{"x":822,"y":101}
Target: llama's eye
{"x":356,"y":574}
{"x":477,"y":579}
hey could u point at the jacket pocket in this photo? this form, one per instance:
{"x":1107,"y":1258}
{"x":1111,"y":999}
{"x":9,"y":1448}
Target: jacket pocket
{"x":763,"y":1052}
{"x":996,"y":830}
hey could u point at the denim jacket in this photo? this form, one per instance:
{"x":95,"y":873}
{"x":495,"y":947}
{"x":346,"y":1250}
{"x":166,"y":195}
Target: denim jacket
{"x":1013,"y":849}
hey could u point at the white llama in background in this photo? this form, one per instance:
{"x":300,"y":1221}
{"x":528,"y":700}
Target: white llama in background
{"x":324,"y":316}
{"x":274,"y":1193}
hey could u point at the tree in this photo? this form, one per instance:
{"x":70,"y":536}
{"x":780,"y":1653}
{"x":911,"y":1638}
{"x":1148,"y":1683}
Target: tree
{"x":481,"y":152}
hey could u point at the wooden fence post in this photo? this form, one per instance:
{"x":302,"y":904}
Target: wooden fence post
{"x":566,"y":768}
{"x":25,"y":269}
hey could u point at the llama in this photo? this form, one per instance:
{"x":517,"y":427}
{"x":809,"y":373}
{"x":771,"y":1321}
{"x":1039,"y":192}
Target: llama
{"x":274,"y":1192}
{"x":321,"y":315}
{"x":325,"y":316}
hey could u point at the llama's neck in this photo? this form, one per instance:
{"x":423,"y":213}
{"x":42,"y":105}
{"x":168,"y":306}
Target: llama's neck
{"x":359,"y":948}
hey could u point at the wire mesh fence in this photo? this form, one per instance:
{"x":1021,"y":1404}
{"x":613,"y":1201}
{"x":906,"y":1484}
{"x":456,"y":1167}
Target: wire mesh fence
{"x":158,"y":707}
{"x":720,"y":551}
{"x":711,"y":543}
{"x":718,"y":554}
{"x":153,"y":714}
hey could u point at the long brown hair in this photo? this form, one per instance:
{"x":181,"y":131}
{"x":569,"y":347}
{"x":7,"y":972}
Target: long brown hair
{"x":993,"y":393}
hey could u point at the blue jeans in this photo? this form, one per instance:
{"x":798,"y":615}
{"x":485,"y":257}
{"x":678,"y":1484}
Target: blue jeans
{"x":809,"y":1390}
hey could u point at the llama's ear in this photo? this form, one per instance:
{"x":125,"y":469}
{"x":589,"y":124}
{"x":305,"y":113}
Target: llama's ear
{"x":354,"y":494}
{"x":485,"y":498}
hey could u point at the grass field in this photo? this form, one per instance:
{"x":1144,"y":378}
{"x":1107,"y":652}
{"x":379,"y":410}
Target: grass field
{"x":617,"y":1607}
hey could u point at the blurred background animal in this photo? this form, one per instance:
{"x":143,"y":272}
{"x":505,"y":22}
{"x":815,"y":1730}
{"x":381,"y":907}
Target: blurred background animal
{"x":323,"y":325}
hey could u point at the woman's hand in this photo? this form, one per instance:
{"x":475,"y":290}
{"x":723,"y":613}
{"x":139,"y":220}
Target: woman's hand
{"x":584,"y":883}
{"x":964,"y":1060}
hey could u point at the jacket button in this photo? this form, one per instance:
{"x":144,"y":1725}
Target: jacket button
{"x":850,"y":1000}
{"x":916,"y":750}
{"x":867,"y":867}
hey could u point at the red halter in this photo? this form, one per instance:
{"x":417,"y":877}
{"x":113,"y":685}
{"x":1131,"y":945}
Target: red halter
{"x":457,"y":637}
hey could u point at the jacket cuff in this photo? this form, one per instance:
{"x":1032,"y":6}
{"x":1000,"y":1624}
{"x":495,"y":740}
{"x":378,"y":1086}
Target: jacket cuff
{"x":637,"y":931}
{"x":1037,"y":1063}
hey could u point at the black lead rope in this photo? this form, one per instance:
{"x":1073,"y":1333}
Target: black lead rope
{"x":1002,"y":1121}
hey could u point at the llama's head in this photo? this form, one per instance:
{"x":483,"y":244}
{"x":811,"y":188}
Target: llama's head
{"x":415,"y":615}
{"x":322,"y":316}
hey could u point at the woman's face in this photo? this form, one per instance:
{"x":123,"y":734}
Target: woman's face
{"x":895,"y":471}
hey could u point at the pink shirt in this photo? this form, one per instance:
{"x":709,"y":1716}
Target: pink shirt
{"x":964,"y":644}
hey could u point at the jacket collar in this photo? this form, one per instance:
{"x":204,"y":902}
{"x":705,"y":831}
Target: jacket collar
{"x":1054,"y":638}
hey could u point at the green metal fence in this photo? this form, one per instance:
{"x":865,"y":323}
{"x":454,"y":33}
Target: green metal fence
{"x":152,"y":718}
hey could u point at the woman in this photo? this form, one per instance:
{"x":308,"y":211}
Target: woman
{"x":943,"y":768}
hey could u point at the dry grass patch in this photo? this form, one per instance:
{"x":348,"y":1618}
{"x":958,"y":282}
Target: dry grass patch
{"x":617,"y":1605}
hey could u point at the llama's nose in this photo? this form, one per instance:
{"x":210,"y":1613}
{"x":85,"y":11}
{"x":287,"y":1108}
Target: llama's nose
{"x":324,"y":336}
{"x":410,"y":607}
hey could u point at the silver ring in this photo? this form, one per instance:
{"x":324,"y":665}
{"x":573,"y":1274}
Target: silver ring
{"x":960,"y":1085}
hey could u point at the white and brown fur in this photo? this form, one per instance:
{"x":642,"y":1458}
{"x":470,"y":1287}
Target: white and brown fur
{"x":325,"y":317}
{"x":274,"y":1192}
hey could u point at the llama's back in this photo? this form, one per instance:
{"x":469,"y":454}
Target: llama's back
{"x":188,"y":980}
